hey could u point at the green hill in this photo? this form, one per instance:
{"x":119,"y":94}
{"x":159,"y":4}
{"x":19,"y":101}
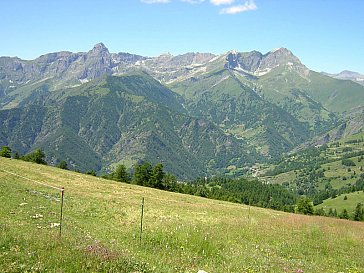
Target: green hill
{"x":228,"y":100}
{"x":346,"y":201}
{"x":181,"y":233}
{"x":322,"y":172}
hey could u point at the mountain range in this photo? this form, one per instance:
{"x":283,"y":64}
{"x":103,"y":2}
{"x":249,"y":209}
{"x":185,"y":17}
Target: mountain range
{"x":348,"y":75}
{"x":197,"y":113}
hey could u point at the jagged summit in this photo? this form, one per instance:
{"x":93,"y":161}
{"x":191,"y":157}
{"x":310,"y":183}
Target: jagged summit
{"x":256,"y":63}
{"x":99,"y":48}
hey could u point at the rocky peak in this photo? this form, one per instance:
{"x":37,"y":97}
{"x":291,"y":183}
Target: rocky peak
{"x":280,"y":56}
{"x":99,"y":50}
{"x":258,"y":64}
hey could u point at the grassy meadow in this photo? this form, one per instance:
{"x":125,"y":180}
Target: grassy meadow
{"x":181,"y":233}
{"x":340,"y":203}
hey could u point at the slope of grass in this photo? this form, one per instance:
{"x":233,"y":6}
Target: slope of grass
{"x":181,"y":233}
{"x":339,"y":203}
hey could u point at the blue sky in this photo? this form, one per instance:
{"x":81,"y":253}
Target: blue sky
{"x":327,"y":35}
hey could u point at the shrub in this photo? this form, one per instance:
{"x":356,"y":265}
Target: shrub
{"x":5,"y":152}
{"x":37,"y":157}
{"x":304,"y":206}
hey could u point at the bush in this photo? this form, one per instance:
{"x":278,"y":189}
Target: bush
{"x":304,"y":206}
{"x":63,"y":165}
{"x":5,"y":152}
{"x":37,"y":157}
{"x":347,"y":162}
{"x":91,"y":172}
{"x":344,"y":214}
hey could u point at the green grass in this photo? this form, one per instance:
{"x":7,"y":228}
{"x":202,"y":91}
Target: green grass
{"x":340,"y":204}
{"x":181,"y":233}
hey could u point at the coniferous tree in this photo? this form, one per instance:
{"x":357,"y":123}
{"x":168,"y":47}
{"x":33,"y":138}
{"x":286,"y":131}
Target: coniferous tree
{"x":16,"y":155}
{"x":5,"y":151}
{"x":359,"y":212}
{"x":120,"y":174}
{"x":91,"y":172}
{"x":37,"y":157}
{"x":304,"y":206}
{"x":157,"y":176}
{"x":142,"y":173}
{"x":62,"y":165}
{"x":344,"y":214}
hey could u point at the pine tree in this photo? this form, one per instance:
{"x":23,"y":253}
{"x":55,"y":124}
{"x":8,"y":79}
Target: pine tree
{"x":5,"y":151}
{"x":344,"y":214}
{"x":359,"y":212}
{"x":63,"y":165}
{"x":142,"y":173}
{"x":304,"y":206}
{"x":37,"y":157}
{"x":157,"y":176}
{"x":120,"y":174}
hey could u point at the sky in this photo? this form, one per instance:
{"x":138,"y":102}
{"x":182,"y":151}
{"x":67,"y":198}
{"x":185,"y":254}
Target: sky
{"x":327,"y":35}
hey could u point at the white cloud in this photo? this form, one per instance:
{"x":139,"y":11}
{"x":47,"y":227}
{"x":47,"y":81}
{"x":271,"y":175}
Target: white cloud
{"x":155,"y":1}
{"x":222,"y":2}
{"x":249,"y":5}
{"x":193,"y":1}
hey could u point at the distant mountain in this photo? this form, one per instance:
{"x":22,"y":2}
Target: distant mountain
{"x":198,"y":113}
{"x":348,"y":75}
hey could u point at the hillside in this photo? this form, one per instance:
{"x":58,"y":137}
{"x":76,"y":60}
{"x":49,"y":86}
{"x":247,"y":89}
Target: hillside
{"x":322,"y":172}
{"x":344,"y":201}
{"x":120,"y":119}
{"x":181,"y":233}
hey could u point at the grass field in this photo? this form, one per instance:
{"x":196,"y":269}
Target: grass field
{"x":339,"y":203}
{"x":181,"y":233}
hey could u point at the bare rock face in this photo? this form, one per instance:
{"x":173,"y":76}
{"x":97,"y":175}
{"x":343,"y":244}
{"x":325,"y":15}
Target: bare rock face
{"x":65,"y":68}
{"x":347,"y":75}
{"x":69,"y":69}
{"x":258,"y":64}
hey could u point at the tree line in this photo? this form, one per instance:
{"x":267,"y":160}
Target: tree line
{"x":238,"y":190}
{"x":245,"y":191}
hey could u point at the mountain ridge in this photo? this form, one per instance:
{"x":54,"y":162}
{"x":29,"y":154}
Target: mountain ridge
{"x":220,"y":112}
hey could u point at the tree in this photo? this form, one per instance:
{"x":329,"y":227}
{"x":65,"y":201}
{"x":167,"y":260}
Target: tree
{"x":320,"y":212}
{"x":347,"y":162}
{"x":62,"y":165}
{"x":304,"y":206}
{"x":170,"y":182}
{"x":91,"y":172}
{"x":157,"y":176}
{"x":359,"y":212}
{"x":16,"y":155}
{"x":344,"y":214}
{"x":120,"y":174}
{"x":37,"y":157}
{"x":142,"y":173}
{"x":5,"y":151}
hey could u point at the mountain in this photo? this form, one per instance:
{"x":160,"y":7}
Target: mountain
{"x":117,"y":119}
{"x":348,"y":75}
{"x":197,"y":113}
